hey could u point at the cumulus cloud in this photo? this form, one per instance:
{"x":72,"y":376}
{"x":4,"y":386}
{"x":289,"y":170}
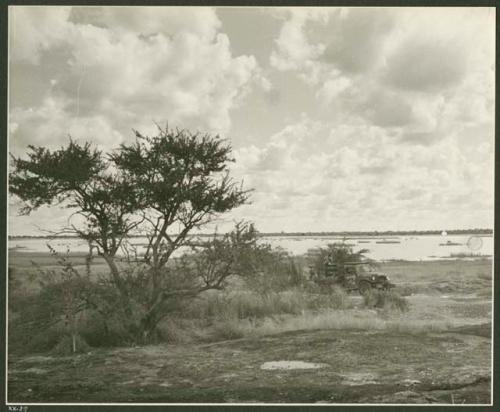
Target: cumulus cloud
{"x":293,"y":50}
{"x":422,"y":72}
{"x":356,"y":38}
{"x":330,"y":172}
{"x":50,"y":125}
{"x":127,"y":67}
{"x":316,"y":41}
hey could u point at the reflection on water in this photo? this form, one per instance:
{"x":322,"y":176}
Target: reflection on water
{"x":379,"y":248}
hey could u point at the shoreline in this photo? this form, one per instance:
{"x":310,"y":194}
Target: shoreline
{"x":343,"y":234}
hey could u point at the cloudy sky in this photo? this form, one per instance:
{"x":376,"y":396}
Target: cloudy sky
{"x":340,"y":119}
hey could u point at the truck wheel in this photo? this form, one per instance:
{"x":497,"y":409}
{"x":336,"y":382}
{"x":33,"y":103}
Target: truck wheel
{"x":364,"y":288}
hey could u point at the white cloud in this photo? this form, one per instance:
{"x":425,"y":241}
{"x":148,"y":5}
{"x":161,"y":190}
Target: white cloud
{"x":424,"y":72}
{"x":332,"y":88}
{"x":322,"y":175}
{"x":293,"y":50}
{"x":50,"y":125}
{"x":170,"y":21}
{"x":143,"y":65}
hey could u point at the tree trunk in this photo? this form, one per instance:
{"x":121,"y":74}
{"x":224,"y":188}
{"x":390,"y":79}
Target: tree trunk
{"x":117,"y":280}
{"x":148,"y":326}
{"x":115,"y":273}
{"x":154,"y":315}
{"x":151,"y":318}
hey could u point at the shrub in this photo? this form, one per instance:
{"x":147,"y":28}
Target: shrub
{"x":324,"y":262}
{"x":68,"y":304}
{"x":274,"y":270}
{"x":37,"y":342}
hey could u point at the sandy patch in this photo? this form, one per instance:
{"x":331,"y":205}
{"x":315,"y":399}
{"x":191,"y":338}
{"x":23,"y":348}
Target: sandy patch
{"x":287,"y":365}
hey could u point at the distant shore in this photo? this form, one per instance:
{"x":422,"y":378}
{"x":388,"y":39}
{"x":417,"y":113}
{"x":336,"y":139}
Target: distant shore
{"x":311,"y":234}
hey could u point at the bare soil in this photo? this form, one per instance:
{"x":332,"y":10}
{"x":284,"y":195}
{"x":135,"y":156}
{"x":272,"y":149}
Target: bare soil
{"x":359,"y":367}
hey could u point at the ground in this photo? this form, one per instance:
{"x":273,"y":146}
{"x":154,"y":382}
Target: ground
{"x":437,"y":352}
{"x":358,"y":366}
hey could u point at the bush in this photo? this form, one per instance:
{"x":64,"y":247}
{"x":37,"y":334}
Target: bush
{"x":64,"y":306}
{"x":321,"y":261}
{"x":37,"y":342}
{"x":387,"y":300}
{"x":274,"y":270}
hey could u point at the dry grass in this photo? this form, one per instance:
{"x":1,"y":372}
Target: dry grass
{"x":438,"y":277}
{"x":221,"y":329}
{"x":329,"y":320}
{"x":251,"y":305}
{"x":387,"y":300}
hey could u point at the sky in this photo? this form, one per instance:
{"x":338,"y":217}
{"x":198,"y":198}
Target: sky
{"x":339,"y":118}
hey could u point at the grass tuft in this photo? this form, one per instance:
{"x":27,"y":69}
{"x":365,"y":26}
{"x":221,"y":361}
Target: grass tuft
{"x":387,"y":300}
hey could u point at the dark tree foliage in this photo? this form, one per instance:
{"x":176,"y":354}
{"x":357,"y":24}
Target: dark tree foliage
{"x":181,"y":181}
{"x":47,"y":177}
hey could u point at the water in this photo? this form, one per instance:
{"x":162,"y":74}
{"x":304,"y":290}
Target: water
{"x":409,"y":247}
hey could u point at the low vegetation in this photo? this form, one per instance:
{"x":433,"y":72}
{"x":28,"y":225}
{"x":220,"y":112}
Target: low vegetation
{"x":72,"y":308}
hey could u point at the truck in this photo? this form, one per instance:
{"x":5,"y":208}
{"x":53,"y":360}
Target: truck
{"x":350,"y":276}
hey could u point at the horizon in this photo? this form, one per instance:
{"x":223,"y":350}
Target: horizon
{"x":279,"y":233}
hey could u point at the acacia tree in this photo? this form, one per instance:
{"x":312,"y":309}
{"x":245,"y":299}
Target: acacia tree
{"x":166,"y":185}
